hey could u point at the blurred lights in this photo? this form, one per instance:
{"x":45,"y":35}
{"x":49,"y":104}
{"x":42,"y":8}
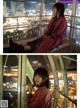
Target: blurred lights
{"x":61,"y":97}
{"x":51,"y":76}
{"x":75,"y":97}
{"x":5,"y":66}
{"x":26,"y":74}
{"x":9,"y":93}
{"x":4,"y":84}
{"x":12,"y":21}
{"x":10,"y":74}
{"x":14,"y":69}
{"x":15,"y":21}
{"x":34,"y":62}
{"x":22,"y":20}
{"x":59,"y":74}
{"x":52,"y":81}
{"x":10,"y":85}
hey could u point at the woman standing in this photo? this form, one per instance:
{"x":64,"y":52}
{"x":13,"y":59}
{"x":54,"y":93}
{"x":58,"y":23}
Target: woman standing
{"x":42,"y":96}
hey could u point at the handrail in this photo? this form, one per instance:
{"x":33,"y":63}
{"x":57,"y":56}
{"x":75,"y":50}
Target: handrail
{"x":5,"y":28}
{"x":66,"y":57}
{"x":58,"y":106}
{"x":43,"y":16}
{"x":31,"y":26}
{"x":38,"y":16}
{"x":67,"y":97}
{"x":74,"y":27}
{"x":73,"y":16}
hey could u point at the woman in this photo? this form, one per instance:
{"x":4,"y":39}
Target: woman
{"x":54,"y":35}
{"x":42,"y":97}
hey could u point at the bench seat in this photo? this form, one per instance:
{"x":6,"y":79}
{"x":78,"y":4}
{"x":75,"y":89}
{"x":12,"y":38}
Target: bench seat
{"x":62,"y":46}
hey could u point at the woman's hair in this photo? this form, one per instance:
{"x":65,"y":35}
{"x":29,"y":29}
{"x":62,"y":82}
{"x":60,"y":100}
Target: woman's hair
{"x":45,"y":76}
{"x":60,"y":8}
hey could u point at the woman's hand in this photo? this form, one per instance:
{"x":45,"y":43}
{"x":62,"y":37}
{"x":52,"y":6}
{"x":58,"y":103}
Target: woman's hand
{"x":43,"y":36}
{"x":30,"y":88}
{"x":53,"y":36}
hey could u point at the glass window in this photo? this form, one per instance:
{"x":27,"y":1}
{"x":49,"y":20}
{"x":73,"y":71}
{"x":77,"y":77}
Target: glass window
{"x":47,"y":13}
{"x":61,"y":101}
{"x":68,"y":13}
{"x":72,"y":87}
{"x":71,"y":105}
{"x":21,"y":20}
{"x":10,"y":80}
{"x":57,"y":62}
{"x":70,"y":62}
{"x":76,"y":33}
{"x":61,"y":81}
{"x":39,"y":61}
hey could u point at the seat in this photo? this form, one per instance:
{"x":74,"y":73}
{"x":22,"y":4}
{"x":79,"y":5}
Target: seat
{"x":62,"y":46}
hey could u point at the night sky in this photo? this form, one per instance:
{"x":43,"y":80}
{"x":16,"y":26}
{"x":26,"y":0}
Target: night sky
{"x":29,"y":5}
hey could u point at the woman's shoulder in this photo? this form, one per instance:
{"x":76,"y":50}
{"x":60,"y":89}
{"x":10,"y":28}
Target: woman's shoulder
{"x":42,"y":89}
{"x":62,"y":17}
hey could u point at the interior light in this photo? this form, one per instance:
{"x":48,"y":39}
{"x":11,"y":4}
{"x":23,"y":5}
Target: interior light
{"x":35,"y":62}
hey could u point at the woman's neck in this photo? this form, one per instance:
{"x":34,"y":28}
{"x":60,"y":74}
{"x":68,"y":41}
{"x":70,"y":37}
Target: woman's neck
{"x":58,"y":15}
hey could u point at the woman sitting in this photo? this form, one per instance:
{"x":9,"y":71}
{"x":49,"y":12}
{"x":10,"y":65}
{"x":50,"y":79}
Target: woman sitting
{"x":54,"y":35}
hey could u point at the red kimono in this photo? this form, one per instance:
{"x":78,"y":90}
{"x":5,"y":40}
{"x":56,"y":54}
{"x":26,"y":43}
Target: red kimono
{"x":59,"y":30}
{"x":41,"y":99}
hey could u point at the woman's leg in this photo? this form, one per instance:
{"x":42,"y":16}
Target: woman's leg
{"x":17,"y":47}
{"x":27,"y":47}
{"x":46,"y":45}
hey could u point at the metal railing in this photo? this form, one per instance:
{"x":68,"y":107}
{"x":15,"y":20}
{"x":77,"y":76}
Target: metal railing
{"x":65,"y":97}
{"x":36,"y":25}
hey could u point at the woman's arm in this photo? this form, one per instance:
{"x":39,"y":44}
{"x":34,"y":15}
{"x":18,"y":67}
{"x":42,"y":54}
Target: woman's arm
{"x":36,"y":99}
{"x":60,"y":28}
{"x":49,"y":26}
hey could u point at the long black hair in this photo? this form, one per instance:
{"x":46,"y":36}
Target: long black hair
{"x":45,"y":76}
{"x":60,"y":8}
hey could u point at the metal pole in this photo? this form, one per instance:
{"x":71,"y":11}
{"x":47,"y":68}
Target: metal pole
{"x":41,"y":14}
{"x":72,"y":20}
{"x":29,"y":70}
{"x":23,"y":91}
{"x":1,"y":78}
{"x":56,"y":83}
{"x":19,"y":81}
{"x":65,"y":81}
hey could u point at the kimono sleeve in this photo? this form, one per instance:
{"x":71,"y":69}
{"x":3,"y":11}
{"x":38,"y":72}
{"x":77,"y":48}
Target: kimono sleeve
{"x":36,"y":99}
{"x":49,"y":26}
{"x":60,"y":29}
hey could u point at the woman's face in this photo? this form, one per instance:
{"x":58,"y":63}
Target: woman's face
{"x":38,"y":80}
{"x":55,"y":11}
